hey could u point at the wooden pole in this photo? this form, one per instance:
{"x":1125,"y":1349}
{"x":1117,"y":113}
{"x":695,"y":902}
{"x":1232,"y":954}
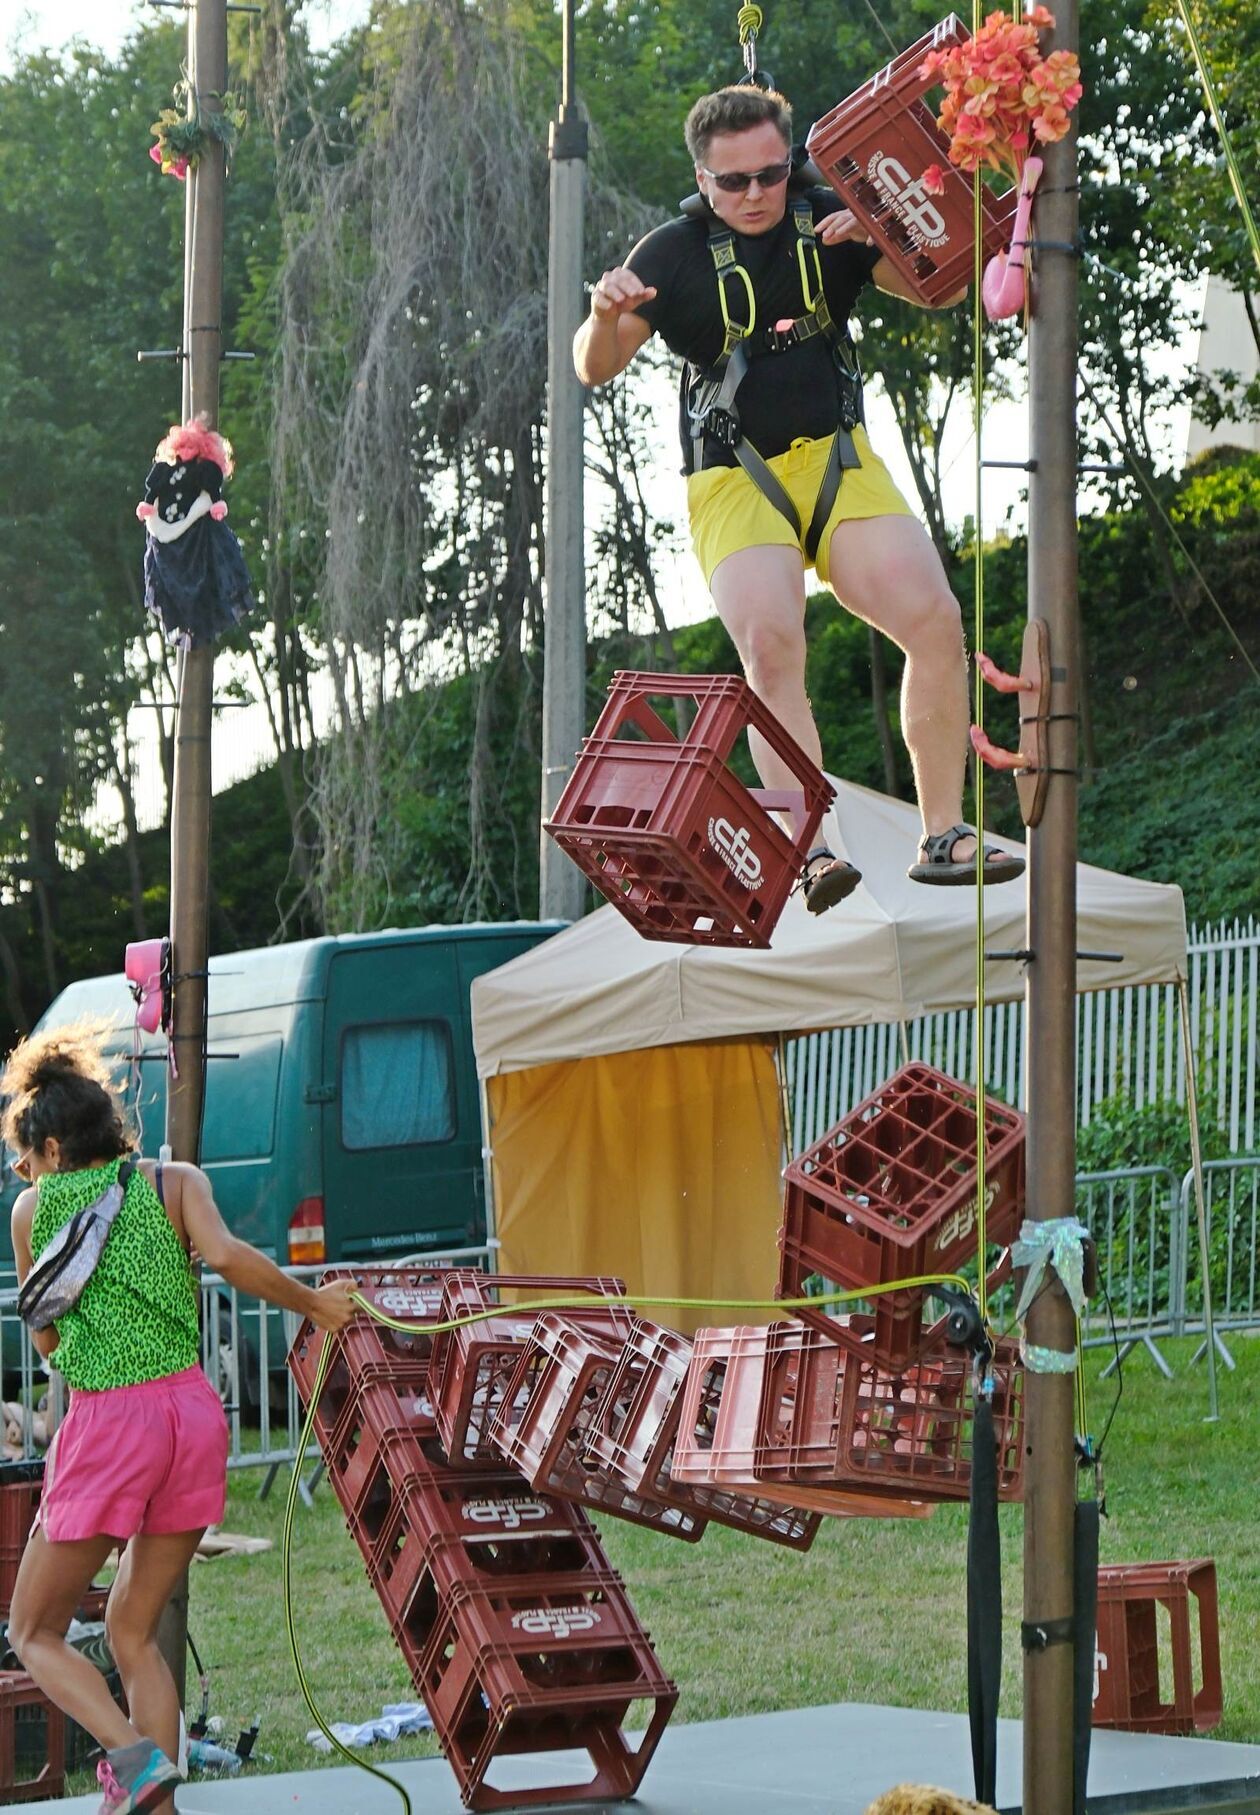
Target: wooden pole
{"x":1050,"y":1474}
{"x":190,"y":794}
{"x":561,"y":889}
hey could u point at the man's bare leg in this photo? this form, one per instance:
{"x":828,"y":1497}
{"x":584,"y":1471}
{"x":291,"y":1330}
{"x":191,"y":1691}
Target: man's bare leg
{"x":760,"y":597}
{"x":886,"y":571}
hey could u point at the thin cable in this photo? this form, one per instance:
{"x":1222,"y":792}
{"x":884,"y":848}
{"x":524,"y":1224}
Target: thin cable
{"x":286,"y":1556}
{"x":1218,"y":120}
{"x":890,"y":40}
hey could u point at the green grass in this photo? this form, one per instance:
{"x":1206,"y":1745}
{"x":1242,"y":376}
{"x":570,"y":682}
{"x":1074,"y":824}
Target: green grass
{"x":873,"y":1613}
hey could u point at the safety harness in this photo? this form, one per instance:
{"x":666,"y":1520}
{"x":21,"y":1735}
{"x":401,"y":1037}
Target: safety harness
{"x":709,"y":395}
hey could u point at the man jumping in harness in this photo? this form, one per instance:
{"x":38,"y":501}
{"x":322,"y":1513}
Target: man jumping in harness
{"x":753,"y":287}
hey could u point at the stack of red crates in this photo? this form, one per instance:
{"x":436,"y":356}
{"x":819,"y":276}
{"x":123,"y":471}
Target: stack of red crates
{"x":517,"y":1632}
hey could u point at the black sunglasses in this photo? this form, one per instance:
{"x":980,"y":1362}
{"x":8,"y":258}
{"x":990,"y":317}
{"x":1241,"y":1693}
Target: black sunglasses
{"x":735,"y":182}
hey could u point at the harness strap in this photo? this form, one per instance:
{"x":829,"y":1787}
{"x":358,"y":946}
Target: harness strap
{"x":715,"y":413}
{"x":843,"y":454}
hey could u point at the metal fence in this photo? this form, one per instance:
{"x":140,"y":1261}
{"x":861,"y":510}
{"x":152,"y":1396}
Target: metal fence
{"x":1143,"y":1221}
{"x":1128,"y":1044}
{"x":243,"y":1349}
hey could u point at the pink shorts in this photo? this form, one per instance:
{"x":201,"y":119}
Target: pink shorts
{"x":147,"y":1458}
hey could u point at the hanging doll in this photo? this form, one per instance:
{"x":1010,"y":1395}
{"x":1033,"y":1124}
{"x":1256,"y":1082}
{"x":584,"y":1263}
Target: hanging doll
{"x":195,"y":579}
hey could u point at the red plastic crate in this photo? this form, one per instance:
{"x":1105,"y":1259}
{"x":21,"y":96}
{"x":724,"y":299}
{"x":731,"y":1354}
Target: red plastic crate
{"x":635,"y":1430}
{"x":665,"y":829}
{"x":889,"y":1193}
{"x":415,"y":1565}
{"x":554,"y":1395}
{"x":909,"y":1430}
{"x":526,"y":1670}
{"x":22,"y":1703}
{"x":411,"y":1294}
{"x":722,"y":1422}
{"x":1128,"y":1692}
{"x":366,"y":1469}
{"x":874,"y":147}
{"x":473,"y":1365}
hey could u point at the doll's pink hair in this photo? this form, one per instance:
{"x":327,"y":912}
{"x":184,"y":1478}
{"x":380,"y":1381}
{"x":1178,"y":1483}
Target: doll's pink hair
{"x":195,"y":440}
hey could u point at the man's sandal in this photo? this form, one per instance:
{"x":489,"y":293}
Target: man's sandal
{"x":827,"y":879}
{"x":936,"y":861}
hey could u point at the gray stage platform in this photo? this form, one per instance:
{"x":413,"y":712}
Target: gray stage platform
{"x":810,"y":1761}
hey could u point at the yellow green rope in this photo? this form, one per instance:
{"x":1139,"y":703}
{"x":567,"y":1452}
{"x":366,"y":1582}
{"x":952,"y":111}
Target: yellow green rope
{"x":749,"y":22}
{"x":286,"y":1555}
{"x":977,"y":203}
{"x":578,"y":1301}
{"x":1218,"y":120}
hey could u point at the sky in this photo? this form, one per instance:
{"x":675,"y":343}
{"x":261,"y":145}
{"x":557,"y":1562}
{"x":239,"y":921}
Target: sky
{"x":48,"y":24}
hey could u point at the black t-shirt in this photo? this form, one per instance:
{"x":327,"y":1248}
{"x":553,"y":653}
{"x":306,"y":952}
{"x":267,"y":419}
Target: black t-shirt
{"x":784,"y":395}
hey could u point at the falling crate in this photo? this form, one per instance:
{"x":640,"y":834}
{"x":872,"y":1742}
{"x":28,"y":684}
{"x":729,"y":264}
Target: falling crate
{"x":545,"y":1420}
{"x":832,"y":1412}
{"x":664,"y":828}
{"x":890,"y":1193}
{"x":473,"y":1364}
{"x":874,"y":148}
{"x":857,"y":1429}
{"x":1128,"y":1691}
{"x":634,"y":1436}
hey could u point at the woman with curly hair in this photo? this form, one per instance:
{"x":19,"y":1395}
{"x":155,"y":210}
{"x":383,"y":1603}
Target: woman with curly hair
{"x":141,"y":1459}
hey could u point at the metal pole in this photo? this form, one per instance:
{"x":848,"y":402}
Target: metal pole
{"x":561,"y":888}
{"x":190,"y":795}
{"x":1050,"y":1474}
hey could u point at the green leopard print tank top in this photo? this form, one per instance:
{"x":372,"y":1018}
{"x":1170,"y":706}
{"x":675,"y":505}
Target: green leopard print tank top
{"x":137,"y":1318}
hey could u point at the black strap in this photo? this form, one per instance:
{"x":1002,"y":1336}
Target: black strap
{"x":984,"y":1603}
{"x":157,"y":1184}
{"x":843,"y":454}
{"x":1085,"y":1585}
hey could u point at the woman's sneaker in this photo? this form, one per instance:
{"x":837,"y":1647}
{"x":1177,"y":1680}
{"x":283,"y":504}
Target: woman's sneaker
{"x":135,"y":1777}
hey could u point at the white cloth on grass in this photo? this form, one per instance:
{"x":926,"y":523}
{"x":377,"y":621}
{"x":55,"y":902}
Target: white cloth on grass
{"x":395,"y":1721}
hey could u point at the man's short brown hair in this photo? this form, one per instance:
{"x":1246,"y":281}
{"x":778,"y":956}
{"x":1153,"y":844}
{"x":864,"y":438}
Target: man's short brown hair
{"x":734,"y":109}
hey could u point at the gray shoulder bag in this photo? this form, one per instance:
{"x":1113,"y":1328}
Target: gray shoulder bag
{"x":55,"y":1283}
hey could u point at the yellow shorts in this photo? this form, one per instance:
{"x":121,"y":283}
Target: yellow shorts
{"x":729,"y":513}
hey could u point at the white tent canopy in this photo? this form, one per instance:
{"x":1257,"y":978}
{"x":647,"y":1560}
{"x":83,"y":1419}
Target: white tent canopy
{"x":893,"y":951}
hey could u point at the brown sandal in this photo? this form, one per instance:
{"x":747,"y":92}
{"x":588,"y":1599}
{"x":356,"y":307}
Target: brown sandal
{"x":937,"y":866}
{"x":823,"y":888}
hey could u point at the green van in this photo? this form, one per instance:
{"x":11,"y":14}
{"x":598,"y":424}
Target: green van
{"x":342,"y":1114}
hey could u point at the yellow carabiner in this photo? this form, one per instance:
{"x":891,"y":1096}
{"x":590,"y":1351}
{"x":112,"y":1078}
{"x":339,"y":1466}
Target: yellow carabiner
{"x":734,"y":331}
{"x":812,"y":297}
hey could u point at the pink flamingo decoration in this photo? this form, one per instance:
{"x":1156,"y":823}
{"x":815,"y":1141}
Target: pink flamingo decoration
{"x":1004,"y":289}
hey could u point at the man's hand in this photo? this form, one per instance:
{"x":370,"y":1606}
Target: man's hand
{"x":612,"y":333}
{"x":841,"y":225}
{"x":618,"y":292}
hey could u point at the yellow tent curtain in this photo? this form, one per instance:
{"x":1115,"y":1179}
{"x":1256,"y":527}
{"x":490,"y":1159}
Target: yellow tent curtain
{"x":660,"y":1166}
